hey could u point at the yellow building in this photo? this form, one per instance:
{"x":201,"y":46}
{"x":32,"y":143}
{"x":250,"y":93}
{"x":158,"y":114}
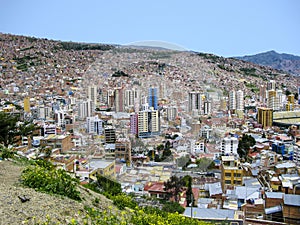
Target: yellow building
{"x":265,"y":116}
{"x":103,"y":168}
{"x":27,"y":104}
{"x":231,"y":172}
{"x":290,"y":103}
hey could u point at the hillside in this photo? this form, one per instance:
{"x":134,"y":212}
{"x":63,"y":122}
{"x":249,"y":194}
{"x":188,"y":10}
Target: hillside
{"x":41,"y":206}
{"x":30,"y":66}
{"x":285,"y":62}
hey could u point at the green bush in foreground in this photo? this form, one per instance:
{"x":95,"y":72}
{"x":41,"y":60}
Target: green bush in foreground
{"x":45,"y":178}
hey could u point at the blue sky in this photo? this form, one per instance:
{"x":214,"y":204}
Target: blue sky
{"x":222,"y":27}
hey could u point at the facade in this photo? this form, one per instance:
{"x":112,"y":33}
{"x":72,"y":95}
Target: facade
{"x":119,"y":100}
{"x":265,"y":116}
{"x":273,"y":100}
{"x":94,"y":125}
{"x":103,"y":168}
{"x":110,"y":135}
{"x":63,"y":142}
{"x":271,"y":85}
{"x":240,"y":100}
{"x":85,"y":109}
{"x":153,"y":98}
{"x":148,"y":123}
{"x":198,"y":147}
{"x":229,"y":146}
{"x":205,"y":132}
{"x":134,"y":124}
{"x":195,"y":102}
{"x":207,"y":107}
{"x":231,"y":172}
{"x":92,"y":94}
{"x":262,"y":94}
{"x":27,"y":104}
{"x":232,"y":100}
{"x":172,"y":113}
{"x":123,"y":150}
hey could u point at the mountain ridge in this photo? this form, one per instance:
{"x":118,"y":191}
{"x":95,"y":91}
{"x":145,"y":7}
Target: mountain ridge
{"x":281,"y":61}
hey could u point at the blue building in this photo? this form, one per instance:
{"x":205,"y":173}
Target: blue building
{"x":152,"y":98}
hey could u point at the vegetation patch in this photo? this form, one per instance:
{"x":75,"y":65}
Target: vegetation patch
{"x":44,"y":177}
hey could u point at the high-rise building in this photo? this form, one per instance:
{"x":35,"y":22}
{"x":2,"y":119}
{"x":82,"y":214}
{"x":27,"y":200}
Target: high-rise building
{"x":134,"y":124}
{"x":207,"y":107}
{"x":229,"y":145}
{"x":240,"y":100}
{"x":44,"y":112}
{"x":148,"y":123}
{"x":119,"y":100}
{"x":85,"y":109}
{"x":94,"y":125}
{"x":271,"y":85}
{"x":153,"y":98}
{"x":195,"y":102}
{"x":172,"y":113}
{"x":273,"y":100}
{"x":290,"y":103}
{"x":131,"y":99}
{"x":110,"y":135}
{"x":232,"y":100}
{"x":262,"y":93}
{"x":265,"y":116}
{"x":59,"y":117}
{"x":92,"y":94}
{"x":27,"y":104}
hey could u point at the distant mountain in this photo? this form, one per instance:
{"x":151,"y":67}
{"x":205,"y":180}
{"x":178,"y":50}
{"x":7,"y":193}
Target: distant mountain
{"x":285,"y":62}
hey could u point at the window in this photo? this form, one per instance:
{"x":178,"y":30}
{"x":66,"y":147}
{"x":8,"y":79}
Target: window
{"x":227,"y":174}
{"x":227,"y":181}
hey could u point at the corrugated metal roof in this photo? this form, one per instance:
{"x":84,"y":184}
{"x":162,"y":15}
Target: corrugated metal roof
{"x":290,"y":199}
{"x":278,"y":195}
{"x":273,"y":209}
{"x":209,"y":213}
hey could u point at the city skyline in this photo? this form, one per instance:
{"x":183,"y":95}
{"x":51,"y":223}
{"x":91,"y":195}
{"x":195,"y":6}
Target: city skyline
{"x":230,"y":28}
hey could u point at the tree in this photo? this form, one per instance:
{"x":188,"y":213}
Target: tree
{"x":172,"y":207}
{"x":245,"y":143}
{"x":8,"y":129}
{"x":189,"y":193}
{"x":174,"y":186}
{"x":25,"y":128}
{"x":204,"y":163}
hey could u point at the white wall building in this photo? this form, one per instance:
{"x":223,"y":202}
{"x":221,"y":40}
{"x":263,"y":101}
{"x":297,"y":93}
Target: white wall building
{"x":229,"y":145}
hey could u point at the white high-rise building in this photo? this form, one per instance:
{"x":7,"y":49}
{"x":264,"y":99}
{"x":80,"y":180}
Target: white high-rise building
{"x":207,"y":107}
{"x":232,"y":100}
{"x":44,"y":112}
{"x":148,"y":123}
{"x":92,"y":94}
{"x":240,"y":100}
{"x":85,"y":109}
{"x":94,"y":125}
{"x":131,"y":98}
{"x":172,"y":113}
{"x":229,"y":145}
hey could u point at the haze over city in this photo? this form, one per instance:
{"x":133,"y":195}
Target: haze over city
{"x":225,"y":28}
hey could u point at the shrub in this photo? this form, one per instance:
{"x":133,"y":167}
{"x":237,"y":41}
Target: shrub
{"x":123,"y":200}
{"x":46,"y":178}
